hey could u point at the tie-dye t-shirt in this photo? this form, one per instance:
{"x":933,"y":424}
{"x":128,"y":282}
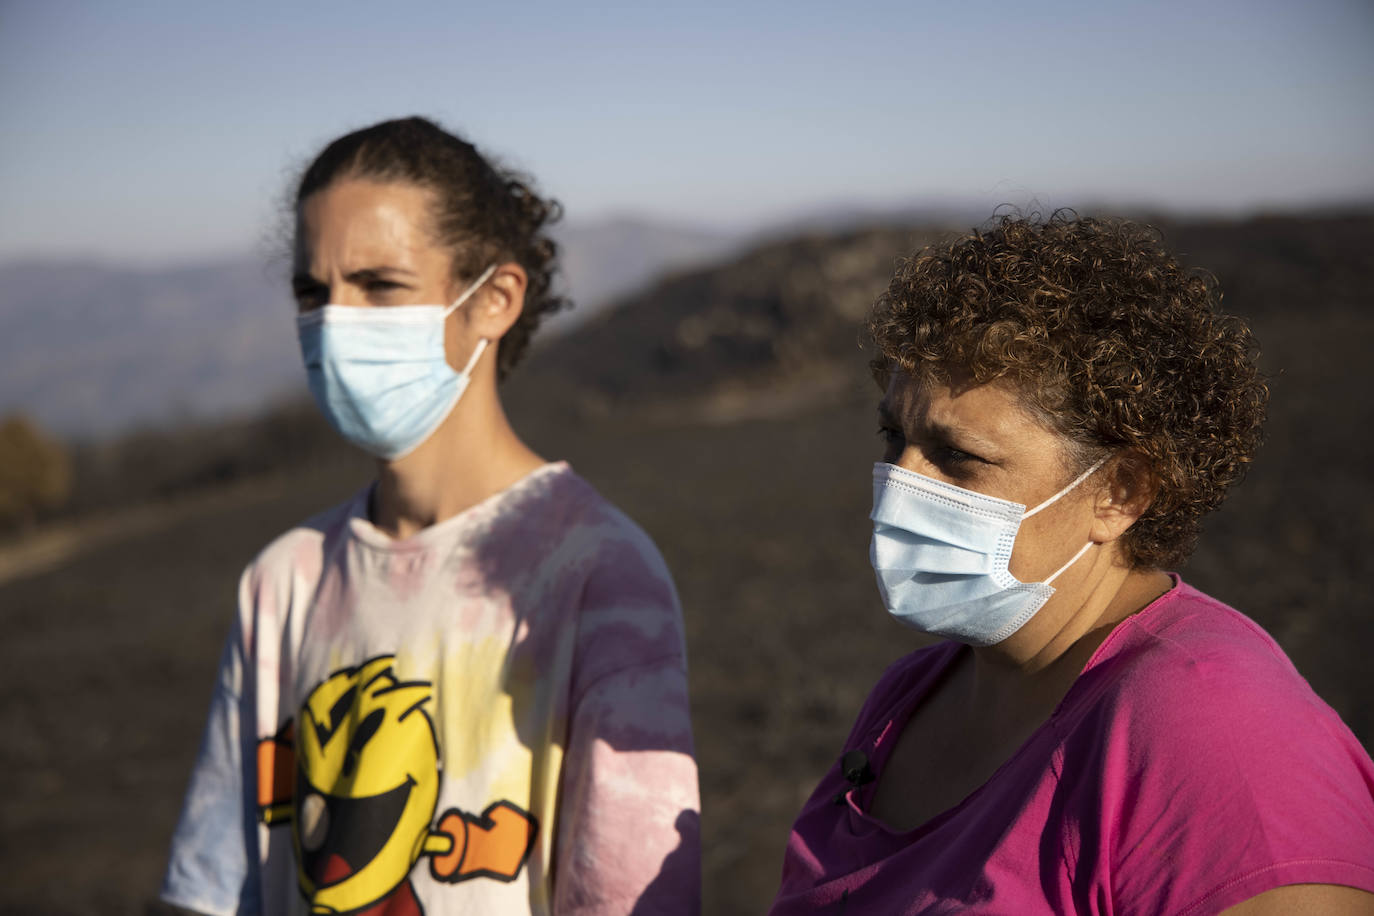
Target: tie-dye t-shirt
{"x":487,"y":717}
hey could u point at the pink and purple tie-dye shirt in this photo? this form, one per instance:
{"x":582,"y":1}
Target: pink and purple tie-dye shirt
{"x":488,"y":717}
{"x":1190,"y":767}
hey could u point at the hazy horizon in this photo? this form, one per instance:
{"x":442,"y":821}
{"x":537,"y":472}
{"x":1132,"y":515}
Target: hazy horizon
{"x":828,"y":215}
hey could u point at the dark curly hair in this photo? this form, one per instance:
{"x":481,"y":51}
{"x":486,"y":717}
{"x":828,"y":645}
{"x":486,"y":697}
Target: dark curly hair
{"x":483,"y":213}
{"x":1107,"y":338}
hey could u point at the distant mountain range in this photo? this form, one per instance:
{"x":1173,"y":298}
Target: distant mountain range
{"x":770,"y":331}
{"x":776,"y":329}
{"x":90,"y":349}
{"x":720,"y":323}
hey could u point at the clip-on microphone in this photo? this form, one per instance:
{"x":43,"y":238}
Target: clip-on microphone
{"x":857,"y":772}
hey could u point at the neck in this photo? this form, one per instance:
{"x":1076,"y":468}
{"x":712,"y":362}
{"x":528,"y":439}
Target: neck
{"x":473,"y":455}
{"x":1039,"y":663}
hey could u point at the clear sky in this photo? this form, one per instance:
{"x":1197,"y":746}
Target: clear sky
{"x":160,"y":131}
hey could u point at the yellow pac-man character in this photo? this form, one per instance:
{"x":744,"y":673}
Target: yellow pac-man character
{"x":357,"y":776}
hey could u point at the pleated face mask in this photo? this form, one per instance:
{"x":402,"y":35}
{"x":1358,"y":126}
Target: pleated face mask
{"x":379,"y":373}
{"x":940,"y":553}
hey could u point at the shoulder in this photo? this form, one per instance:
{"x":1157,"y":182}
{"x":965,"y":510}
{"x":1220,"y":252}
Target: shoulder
{"x":1193,"y":739}
{"x":909,"y":674}
{"x":615,"y":537}
{"x":1192,"y":676}
{"x":1189,"y":662}
{"x":290,"y":561}
{"x":299,"y":547}
{"x":554,"y":525}
{"x":612,"y":551}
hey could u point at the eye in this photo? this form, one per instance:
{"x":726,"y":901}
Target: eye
{"x":384,"y":291}
{"x":309,"y":295}
{"x":954,"y":461}
{"x":893,"y":443}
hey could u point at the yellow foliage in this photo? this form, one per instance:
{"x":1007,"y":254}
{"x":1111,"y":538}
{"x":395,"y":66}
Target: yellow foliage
{"x":35,"y":471}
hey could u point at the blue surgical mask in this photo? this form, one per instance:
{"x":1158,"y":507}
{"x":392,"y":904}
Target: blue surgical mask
{"x":941,"y":553}
{"x":379,"y":373}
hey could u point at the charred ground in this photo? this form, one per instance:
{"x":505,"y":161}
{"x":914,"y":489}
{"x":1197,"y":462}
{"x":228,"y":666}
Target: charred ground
{"x":728,"y":411}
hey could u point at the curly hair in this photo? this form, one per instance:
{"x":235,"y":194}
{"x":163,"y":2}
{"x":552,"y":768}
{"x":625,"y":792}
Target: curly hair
{"x":483,"y":213}
{"x":1107,"y":338}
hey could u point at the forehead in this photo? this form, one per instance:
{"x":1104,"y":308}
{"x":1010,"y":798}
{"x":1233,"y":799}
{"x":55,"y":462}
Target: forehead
{"x":993,"y":411}
{"x":358,"y":222}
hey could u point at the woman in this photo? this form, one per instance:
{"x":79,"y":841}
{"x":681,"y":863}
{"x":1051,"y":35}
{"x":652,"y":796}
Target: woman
{"x":464,"y":689}
{"x":1062,"y":405}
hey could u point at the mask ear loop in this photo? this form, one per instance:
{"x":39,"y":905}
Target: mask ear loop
{"x":1084,"y":549}
{"x":476,"y":355}
{"x":1076,"y":481}
{"x":467,"y":294}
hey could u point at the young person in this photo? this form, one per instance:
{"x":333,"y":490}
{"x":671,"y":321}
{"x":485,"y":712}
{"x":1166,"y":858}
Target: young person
{"x":464,"y":689}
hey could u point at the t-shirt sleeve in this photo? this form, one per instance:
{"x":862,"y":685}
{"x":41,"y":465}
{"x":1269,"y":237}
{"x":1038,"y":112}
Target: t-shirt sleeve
{"x":1222,"y":777}
{"x":215,"y":839}
{"x":628,"y":837}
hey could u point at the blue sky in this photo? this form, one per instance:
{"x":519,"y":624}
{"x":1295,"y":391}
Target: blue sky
{"x":163,"y":131}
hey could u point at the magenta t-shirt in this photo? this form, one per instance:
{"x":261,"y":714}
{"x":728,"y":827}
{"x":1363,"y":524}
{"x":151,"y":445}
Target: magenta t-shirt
{"x":1189,"y":767}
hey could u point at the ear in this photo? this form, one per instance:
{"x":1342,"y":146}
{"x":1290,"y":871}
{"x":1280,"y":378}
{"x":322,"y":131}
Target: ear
{"x":498,"y":304}
{"x":1128,"y":487}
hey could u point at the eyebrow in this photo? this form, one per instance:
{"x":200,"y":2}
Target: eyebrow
{"x":362,"y":275}
{"x":955,"y":435}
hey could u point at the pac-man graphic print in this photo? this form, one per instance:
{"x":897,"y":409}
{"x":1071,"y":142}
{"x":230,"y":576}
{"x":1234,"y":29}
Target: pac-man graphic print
{"x":356,"y":774}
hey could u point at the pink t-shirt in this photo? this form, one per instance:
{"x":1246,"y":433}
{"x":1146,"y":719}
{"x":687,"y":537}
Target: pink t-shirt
{"x":1189,"y":767}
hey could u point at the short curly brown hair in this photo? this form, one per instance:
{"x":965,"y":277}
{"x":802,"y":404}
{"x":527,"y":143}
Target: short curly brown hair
{"x":483,"y":213}
{"x":1107,"y":338}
